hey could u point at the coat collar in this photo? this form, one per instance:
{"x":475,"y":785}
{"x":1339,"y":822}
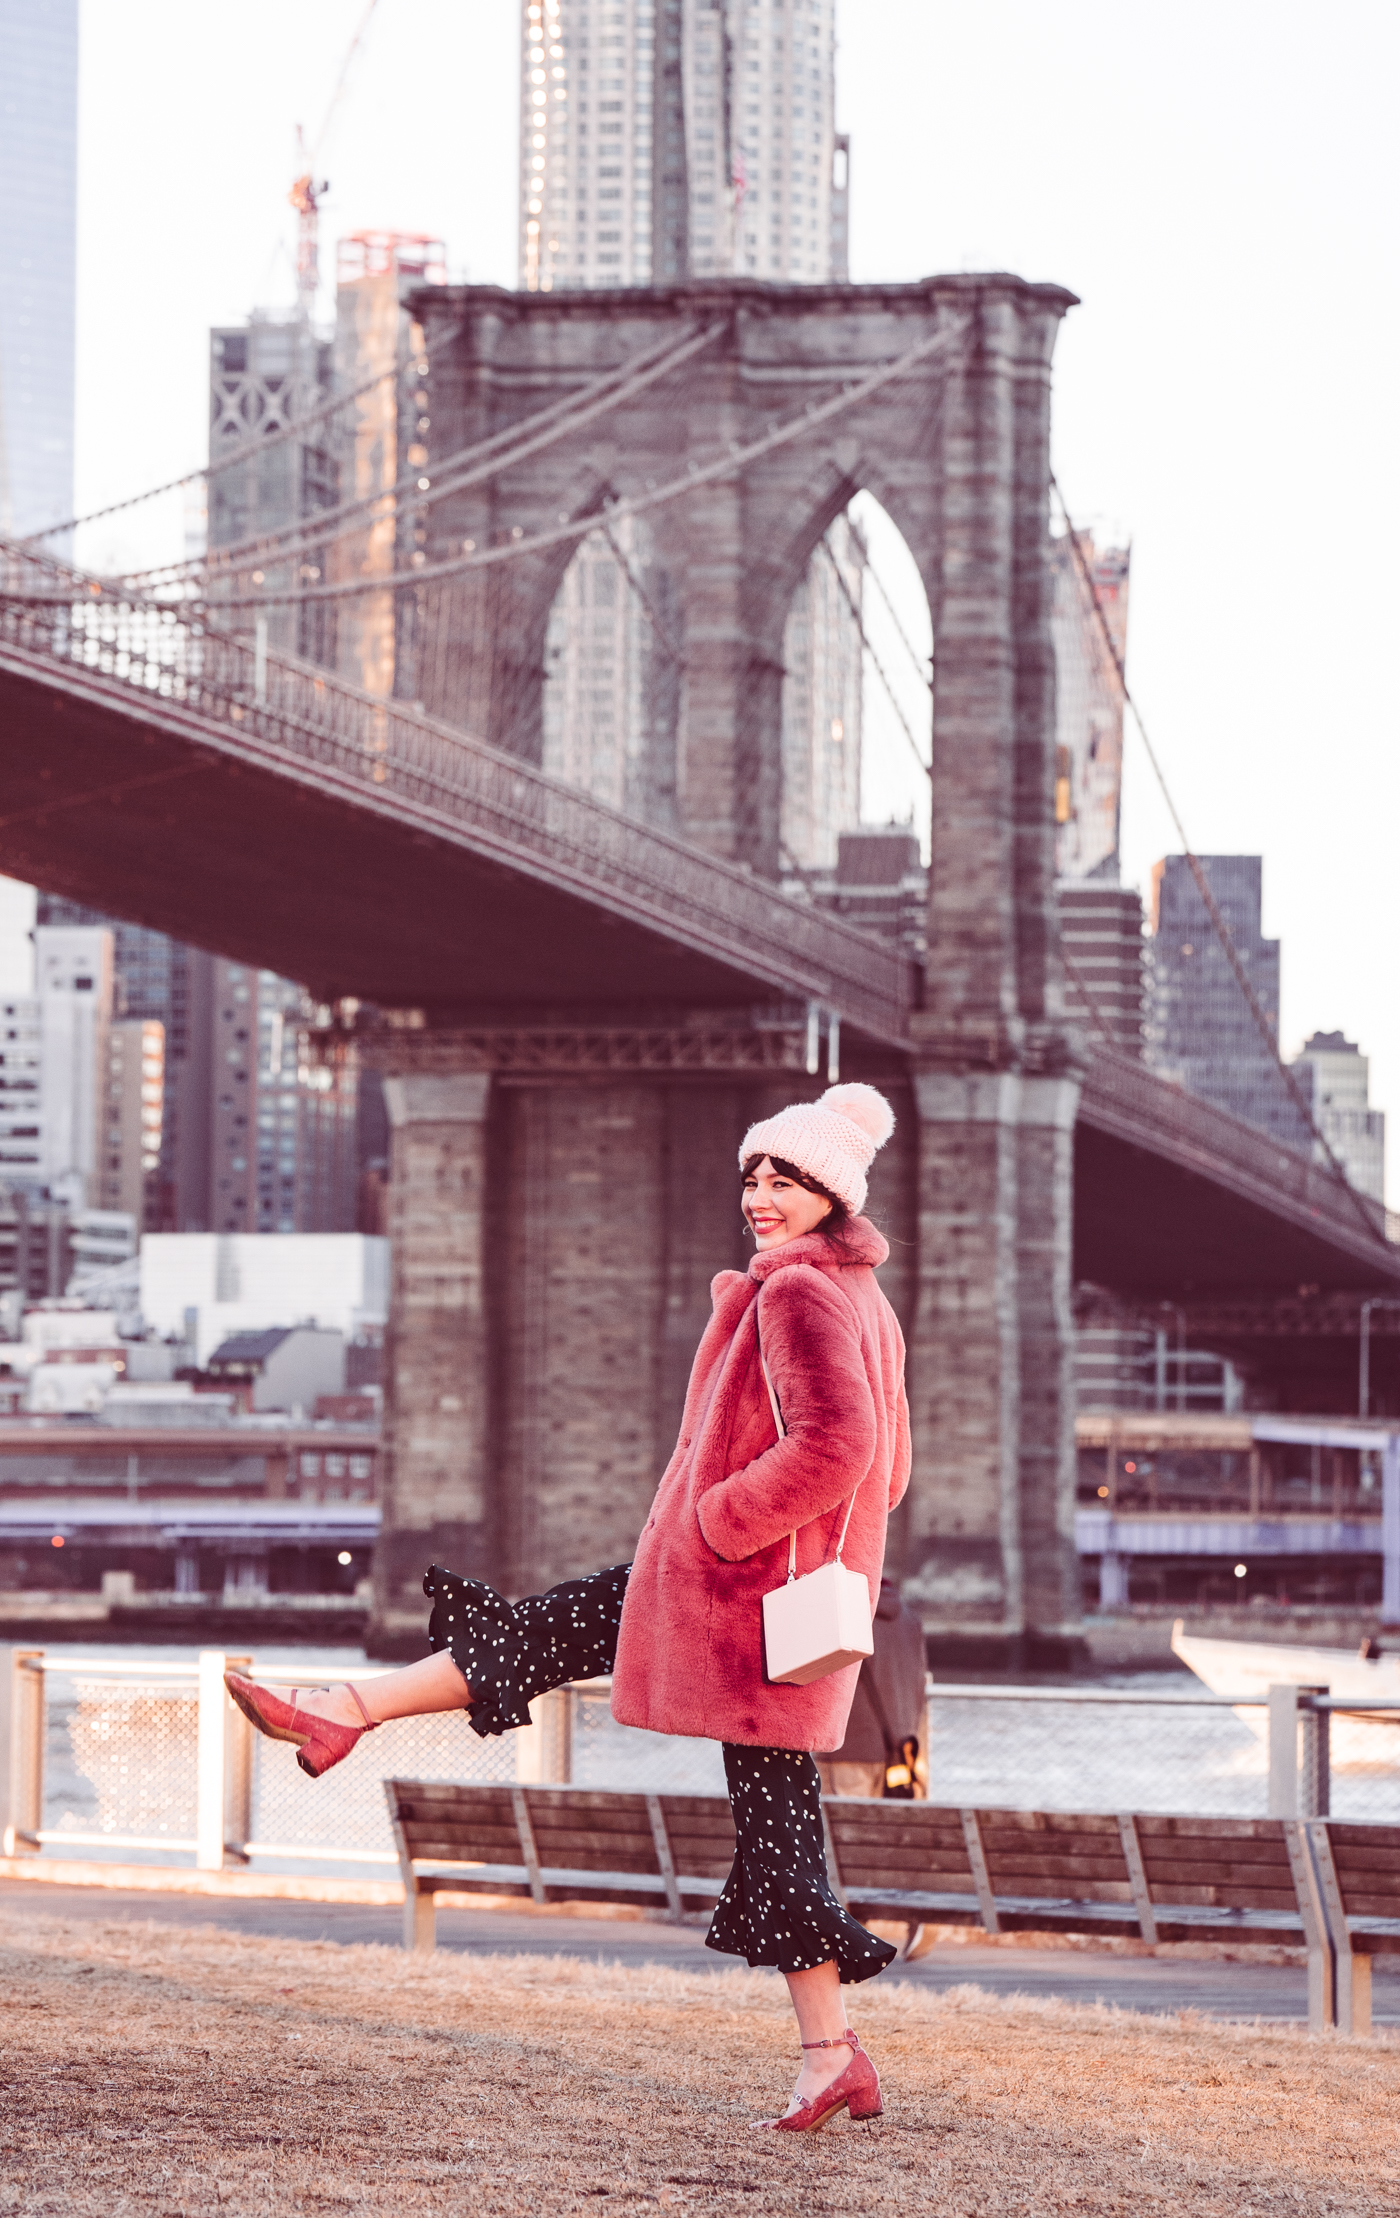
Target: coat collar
{"x":863,"y":1244}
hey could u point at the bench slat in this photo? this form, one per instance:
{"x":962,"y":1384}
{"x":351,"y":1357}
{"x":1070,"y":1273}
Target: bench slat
{"x":1033,"y":1826}
{"x":1161,"y":1873}
{"x":1214,"y":1831}
{"x":1380,"y":1861}
{"x":1361,"y":1905}
{"x":1006,"y":1870}
{"x":898,"y":1858}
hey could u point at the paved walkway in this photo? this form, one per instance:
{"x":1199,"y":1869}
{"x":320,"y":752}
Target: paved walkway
{"x":1150,"y":1983}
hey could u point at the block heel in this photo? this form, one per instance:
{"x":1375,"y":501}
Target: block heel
{"x":856,"y":2091}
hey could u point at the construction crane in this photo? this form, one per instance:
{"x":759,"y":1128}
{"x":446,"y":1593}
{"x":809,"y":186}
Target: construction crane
{"x":308,"y":190}
{"x":305,"y":196}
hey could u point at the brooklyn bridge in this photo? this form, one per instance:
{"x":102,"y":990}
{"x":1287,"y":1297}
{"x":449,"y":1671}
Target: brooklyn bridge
{"x":578,"y":1009}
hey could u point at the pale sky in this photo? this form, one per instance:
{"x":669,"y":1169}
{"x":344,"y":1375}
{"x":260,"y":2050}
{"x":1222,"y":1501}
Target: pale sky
{"x":1217,"y":183}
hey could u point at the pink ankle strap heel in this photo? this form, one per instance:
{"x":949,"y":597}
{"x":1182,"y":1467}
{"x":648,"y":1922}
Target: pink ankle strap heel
{"x":319,"y":1741}
{"x":856,"y":2091}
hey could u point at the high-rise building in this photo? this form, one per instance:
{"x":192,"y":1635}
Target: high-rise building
{"x":1335,"y":1078}
{"x":1101,"y":928}
{"x":151,"y":985}
{"x":665,"y":139}
{"x":21,"y":1082}
{"x":822,"y":659}
{"x":267,"y":1143}
{"x":132,"y":1113}
{"x":53,"y":1057}
{"x":264,"y":375}
{"x":248,"y":1137}
{"x":73,"y":989}
{"x":1202,"y":1034}
{"x":38,"y":258}
{"x":1088,"y":705}
{"x":378,"y":435}
{"x":17,"y":921}
{"x":661,"y":140}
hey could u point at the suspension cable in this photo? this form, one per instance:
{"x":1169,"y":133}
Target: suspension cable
{"x":648,"y":606}
{"x":1203,"y":885}
{"x":243,"y":453}
{"x":922,"y":663}
{"x":854,"y":606}
{"x":639,"y":504}
{"x":481,"y":460}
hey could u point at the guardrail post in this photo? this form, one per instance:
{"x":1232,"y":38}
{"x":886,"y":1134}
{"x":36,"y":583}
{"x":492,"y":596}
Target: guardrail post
{"x":544,"y":1747}
{"x":211,"y":1761}
{"x":21,"y":1749}
{"x":1390,"y":1532}
{"x":1283,"y":1752}
{"x":238,"y":1772}
{"x":1315,"y":1762}
{"x":1299,"y":1775}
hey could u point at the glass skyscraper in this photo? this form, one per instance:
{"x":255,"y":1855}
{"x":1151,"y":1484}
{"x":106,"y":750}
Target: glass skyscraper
{"x":1202,"y":1035}
{"x":663,"y":139}
{"x":38,"y":252}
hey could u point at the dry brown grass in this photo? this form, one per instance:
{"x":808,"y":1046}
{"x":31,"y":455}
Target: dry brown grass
{"x":172,"y":2073}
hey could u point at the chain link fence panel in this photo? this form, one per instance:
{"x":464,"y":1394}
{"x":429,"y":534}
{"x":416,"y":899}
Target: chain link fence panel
{"x":1177,"y":1755}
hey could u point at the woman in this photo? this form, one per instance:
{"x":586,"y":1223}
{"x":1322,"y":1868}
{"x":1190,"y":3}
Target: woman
{"x":681,"y":1628}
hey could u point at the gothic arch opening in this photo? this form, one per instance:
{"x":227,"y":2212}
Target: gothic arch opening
{"x":611,"y":672}
{"x":857,"y":712}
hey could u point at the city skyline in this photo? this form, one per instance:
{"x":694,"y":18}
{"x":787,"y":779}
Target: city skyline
{"x":1149,"y":436}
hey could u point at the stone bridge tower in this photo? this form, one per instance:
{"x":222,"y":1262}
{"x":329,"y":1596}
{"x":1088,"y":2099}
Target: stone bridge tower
{"x":563,"y":1179}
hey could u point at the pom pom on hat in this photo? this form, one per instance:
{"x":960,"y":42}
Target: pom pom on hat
{"x":864,"y":1106}
{"x":832,"y":1140}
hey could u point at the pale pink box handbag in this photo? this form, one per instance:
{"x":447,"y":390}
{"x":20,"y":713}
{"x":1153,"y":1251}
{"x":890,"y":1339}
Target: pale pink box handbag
{"x":815,"y":1624}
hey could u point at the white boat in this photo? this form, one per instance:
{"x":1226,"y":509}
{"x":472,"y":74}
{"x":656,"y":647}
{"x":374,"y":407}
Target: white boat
{"x":1359,"y":1742}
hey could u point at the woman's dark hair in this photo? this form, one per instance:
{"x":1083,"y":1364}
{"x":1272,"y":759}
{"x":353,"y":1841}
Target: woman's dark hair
{"x":837,"y":1227}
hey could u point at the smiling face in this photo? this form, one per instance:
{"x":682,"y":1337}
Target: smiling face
{"x":777,"y":1208}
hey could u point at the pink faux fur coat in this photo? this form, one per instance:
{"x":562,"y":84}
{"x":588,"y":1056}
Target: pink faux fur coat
{"x":690,"y":1646}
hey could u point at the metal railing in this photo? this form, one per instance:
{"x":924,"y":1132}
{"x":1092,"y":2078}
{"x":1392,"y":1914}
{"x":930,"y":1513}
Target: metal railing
{"x":1126,"y":1099}
{"x":271,"y":706}
{"x":1296,"y":1753}
{"x":149,"y":1760}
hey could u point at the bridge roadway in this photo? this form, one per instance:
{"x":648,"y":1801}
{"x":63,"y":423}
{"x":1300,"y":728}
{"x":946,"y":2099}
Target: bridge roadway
{"x":158,"y":769}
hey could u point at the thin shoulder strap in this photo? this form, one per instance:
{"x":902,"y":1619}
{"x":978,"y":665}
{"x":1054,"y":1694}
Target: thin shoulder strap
{"x":782,"y":1435}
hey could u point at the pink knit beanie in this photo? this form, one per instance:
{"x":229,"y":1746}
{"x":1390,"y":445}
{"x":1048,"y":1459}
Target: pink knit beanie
{"x":833,"y":1140}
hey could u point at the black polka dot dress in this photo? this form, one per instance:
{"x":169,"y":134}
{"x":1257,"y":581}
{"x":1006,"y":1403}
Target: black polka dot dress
{"x":777,"y":1907}
{"x":508,"y":1652}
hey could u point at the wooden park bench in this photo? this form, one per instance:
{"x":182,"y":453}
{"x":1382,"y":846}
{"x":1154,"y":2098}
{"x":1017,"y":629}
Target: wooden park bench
{"x":1330,"y":1887}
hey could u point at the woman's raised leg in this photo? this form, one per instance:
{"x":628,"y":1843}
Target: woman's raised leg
{"x":489,"y":1657}
{"x":433,"y":1683}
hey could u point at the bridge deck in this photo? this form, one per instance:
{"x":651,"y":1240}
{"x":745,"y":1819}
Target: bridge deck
{"x":159,"y":769}
{"x":126,"y":722}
